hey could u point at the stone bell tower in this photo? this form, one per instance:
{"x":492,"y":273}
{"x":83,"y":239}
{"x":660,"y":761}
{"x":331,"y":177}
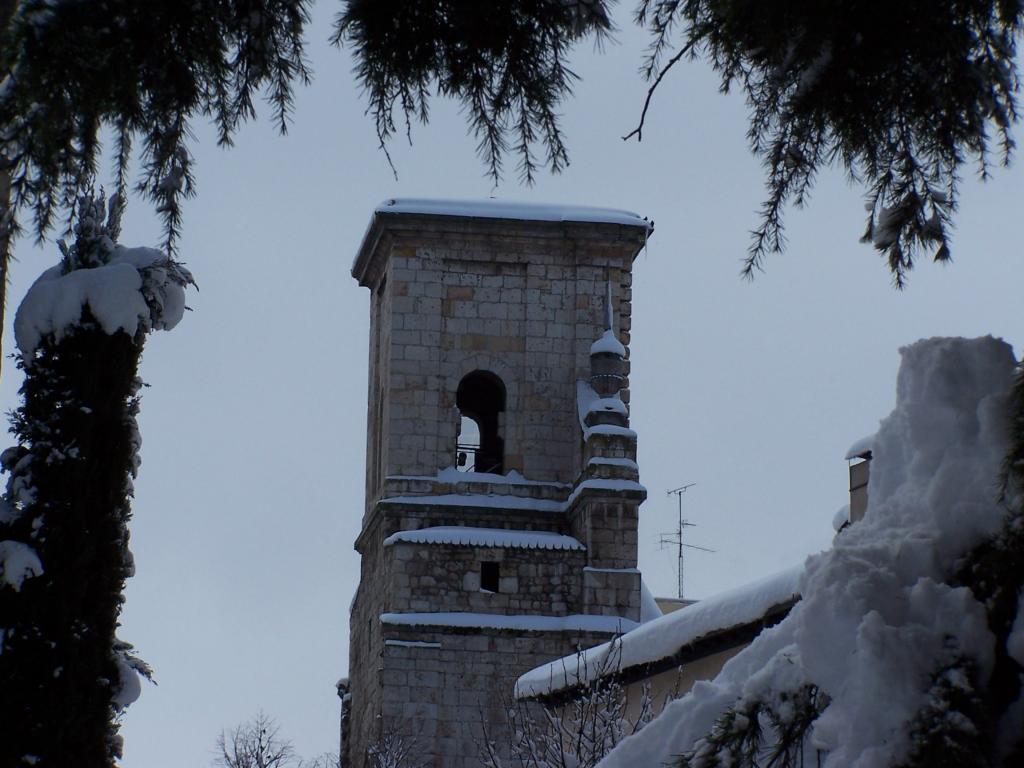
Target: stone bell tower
{"x":500,"y":522}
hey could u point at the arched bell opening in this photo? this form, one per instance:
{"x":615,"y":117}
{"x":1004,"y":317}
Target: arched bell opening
{"x":479,"y":448}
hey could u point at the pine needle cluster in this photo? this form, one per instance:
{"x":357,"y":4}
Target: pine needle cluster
{"x":142,"y":72}
{"x":505,"y":62}
{"x":949,"y":731}
{"x":901,"y":95}
{"x":760,"y":732}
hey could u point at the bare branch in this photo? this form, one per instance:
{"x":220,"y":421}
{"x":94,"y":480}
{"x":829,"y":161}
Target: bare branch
{"x":638,"y":131}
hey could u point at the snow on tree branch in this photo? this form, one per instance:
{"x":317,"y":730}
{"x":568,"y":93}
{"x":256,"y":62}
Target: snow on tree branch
{"x":903,"y":645}
{"x":125,"y":289}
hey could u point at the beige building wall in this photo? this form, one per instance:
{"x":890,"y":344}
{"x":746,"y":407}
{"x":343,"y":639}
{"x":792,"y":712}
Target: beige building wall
{"x":673,"y":683}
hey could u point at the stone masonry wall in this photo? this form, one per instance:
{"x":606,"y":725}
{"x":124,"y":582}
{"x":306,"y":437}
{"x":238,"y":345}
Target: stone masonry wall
{"x":365,"y":650}
{"x":526,"y":308}
{"x":447,"y":688}
{"x":447,"y":578}
{"x":608,"y":529}
{"x":523,"y":300}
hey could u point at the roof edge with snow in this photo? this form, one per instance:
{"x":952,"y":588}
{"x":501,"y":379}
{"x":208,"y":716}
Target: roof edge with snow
{"x":467,"y":536}
{"x":578,"y":622}
{"x":722,"y":621}
{"x":390,"y":212}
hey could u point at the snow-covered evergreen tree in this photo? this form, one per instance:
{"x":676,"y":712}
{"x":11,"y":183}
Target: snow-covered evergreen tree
{"x":907,"y":647}
{"x":64,"y":553}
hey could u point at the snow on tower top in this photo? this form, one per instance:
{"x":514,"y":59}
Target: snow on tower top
{"x":860,"y":449}
{"x":416,"y":219}
{"x":504,"y":209}
{"x":607,"y":343}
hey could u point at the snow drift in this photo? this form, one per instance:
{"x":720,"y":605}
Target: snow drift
{"x":880,"y":612}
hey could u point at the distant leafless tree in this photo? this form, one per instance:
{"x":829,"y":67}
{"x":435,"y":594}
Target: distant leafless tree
{"x":259,"y":744}
{"x":396,"y":749}
{"x":582,"y":731}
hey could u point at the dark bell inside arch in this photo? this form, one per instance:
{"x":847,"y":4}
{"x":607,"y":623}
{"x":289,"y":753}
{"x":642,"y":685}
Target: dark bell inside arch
{"x":480,"y":398}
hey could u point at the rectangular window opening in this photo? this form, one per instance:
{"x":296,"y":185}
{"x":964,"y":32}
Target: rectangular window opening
{"x":489,"y":576}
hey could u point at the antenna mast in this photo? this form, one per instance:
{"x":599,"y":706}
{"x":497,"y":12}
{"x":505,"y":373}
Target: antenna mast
{"x":676,"y":536}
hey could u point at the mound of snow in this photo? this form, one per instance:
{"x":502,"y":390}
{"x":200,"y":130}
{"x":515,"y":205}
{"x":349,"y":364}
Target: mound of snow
{"x":138,"y":288}
{"x":18,"y":561}
{"x":608,"y":344}
{"x":877,"y":617}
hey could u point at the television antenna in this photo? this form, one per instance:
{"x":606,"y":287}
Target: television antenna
{"x":676,"y":537}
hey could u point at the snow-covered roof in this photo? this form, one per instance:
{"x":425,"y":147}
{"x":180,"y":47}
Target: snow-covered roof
{"x":608,"y":343}
{"x":663,"y":637}
{"x":506,"y":209}
{"x":574,"y":623}
{"x":485,"y":537}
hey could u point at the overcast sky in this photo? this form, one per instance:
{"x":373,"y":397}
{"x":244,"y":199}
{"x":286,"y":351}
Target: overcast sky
{"x":250,"y":491}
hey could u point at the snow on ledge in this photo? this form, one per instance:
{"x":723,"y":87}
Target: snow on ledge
{"x":608,"y":344}
{"x":592,"y":569}
{"x":454,"y":475}
{"x":485,"y":537}
{"x":602,"y":484}
{"x":588,"y":401}
{"x":503,"y":209}
{"x":575,"y":623}
{"x":662,"y":637}
{"x":504,"y":501}
{"x":611,"y":404}
{"x":611,"y":461}
{"x":860,"y":449}
{"x":412,"y":644}
{"x":490,"y":501}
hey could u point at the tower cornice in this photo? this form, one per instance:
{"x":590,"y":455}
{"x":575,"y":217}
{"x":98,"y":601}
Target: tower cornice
{"x":487,"y":219}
